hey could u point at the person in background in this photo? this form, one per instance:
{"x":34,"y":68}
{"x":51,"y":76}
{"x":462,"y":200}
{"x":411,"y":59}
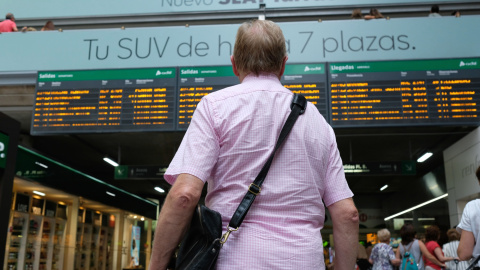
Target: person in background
{"x":415,"y":247}
{"x":450,"y":250}
{"x":374,"y":14}
{"x":231,"y":135}
{"x":369,"y":248}
{"x":469,"y":229}
{"x":362,"y":258}
{"x":357,"y":14}
{"x":435,"y":11}
{"x":49,"y":26}
{"x":456,"y":13}
{"x":383,"y":257}
{"x":9,"y":25}
{"x":432,"y":234}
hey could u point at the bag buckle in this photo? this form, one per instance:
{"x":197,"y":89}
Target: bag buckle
{"x":256,"y":189}
{"x":227,"y":234}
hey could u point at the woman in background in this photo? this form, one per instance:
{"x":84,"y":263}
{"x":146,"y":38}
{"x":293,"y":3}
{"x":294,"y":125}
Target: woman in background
{"x":382,"y":256}
{"x":374,"y":14}
{"x":357,"y":14}
{"x":415,"y":247}
{"x":49,"y":26}
{"x":450,"y":250}
{"x":432,"y":234}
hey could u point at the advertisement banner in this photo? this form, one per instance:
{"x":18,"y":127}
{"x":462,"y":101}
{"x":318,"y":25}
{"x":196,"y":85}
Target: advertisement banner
{"x":307,"y":42}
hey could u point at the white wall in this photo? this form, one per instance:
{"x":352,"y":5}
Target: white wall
{"x":461,"y":161}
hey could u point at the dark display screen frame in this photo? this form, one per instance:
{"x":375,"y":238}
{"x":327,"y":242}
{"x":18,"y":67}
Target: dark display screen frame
{"x":440,"y":66}
{"x":135,"y":77}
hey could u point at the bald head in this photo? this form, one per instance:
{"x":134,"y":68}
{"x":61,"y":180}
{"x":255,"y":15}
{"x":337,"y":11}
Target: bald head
{"x":259,"y":47}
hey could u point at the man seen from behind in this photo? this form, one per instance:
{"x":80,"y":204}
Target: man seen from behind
{"x":231,"y":135}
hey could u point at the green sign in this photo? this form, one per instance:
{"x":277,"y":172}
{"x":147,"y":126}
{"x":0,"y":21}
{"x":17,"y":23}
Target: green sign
{"x":196,"y":72}
{"x":121,"y":172}
{"x":414,"y":65}
{"x":3,"y":150}
{"x":110,"y":74}
{"x":409,"y":167}
{"x":139,"y":172}
{"x":406,"y":167}
{"x":304,"y":69}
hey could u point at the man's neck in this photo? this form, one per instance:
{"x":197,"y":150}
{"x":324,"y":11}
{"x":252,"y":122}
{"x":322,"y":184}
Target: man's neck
{"x":242,"y":76}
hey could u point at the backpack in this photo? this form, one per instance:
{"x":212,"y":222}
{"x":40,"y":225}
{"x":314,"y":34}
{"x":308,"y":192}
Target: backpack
{"x":408,"y":261}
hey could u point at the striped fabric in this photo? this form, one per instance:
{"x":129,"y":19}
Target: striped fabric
{"x":231,"y":135}
{"x":450,"y":250}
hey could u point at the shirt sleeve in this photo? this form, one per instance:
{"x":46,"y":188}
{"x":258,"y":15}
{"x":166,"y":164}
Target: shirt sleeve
{"x":336,"y":186}
{"x":465,"y":222}
{"x":198,"y":152}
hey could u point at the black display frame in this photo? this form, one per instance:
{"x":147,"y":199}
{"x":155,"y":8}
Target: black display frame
{"x":407,"y":124}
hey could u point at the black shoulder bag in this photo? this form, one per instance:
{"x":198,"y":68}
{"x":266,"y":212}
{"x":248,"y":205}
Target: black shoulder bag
{"x":201,"y":245}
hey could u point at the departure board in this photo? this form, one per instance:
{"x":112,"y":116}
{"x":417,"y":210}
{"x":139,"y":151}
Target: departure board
{"x":95,"y":101}
{"x":196,"y":82}
{"x":310,"y":80}
{"x":405,"y":93}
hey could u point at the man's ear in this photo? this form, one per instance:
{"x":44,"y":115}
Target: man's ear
{"x":234,"y":67}
{"x":282,"y":70}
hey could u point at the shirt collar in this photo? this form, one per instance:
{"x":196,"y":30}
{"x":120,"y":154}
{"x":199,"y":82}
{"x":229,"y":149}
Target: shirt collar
{"x":261,"y":76}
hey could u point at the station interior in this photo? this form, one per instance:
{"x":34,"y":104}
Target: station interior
{"x":377,"y":195}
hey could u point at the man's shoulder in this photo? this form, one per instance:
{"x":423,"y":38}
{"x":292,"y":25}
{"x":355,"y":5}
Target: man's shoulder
{"x":246,"y":88}
{"x":223,"y":93}
{"x":7,"y":22}
{"x":473,"y":205}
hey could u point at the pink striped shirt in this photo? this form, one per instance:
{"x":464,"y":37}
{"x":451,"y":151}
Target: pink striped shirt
{"x":231,"y":135}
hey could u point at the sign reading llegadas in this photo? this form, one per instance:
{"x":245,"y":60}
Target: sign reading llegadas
{"x":59,"y":8}
{"x":212,"y":45}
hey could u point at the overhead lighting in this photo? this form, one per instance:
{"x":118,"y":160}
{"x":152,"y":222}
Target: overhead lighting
{"x":111,"y":194}
{"x":41,"y":165}
{"x":39,"y":193}
{"x":159,"y":189}
{"x":110,"y":161}
{"x":384,"y":187}
{"x":426,"y":218}
{"x":425,"y":156}
{"x":135,"y":217}
{"x":417,"y":206}
{"x":142,"y":219}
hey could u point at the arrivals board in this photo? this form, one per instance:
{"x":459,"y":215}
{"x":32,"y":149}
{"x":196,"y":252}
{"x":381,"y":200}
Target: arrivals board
{"x":405,"y":93}
{"x":310,"y":80}
{"x":90,"y":101}
{"x":196,"y":82}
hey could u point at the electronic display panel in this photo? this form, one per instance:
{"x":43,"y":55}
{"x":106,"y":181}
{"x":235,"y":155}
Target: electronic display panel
{"x":196,"y":82}
{"x":96,"y":101}
{"x":405,"y":93}
{"x":309,"y":80}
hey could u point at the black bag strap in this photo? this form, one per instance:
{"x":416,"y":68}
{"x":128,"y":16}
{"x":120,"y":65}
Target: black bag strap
{"x":474,"y":263}
{"x":298,"y":106}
